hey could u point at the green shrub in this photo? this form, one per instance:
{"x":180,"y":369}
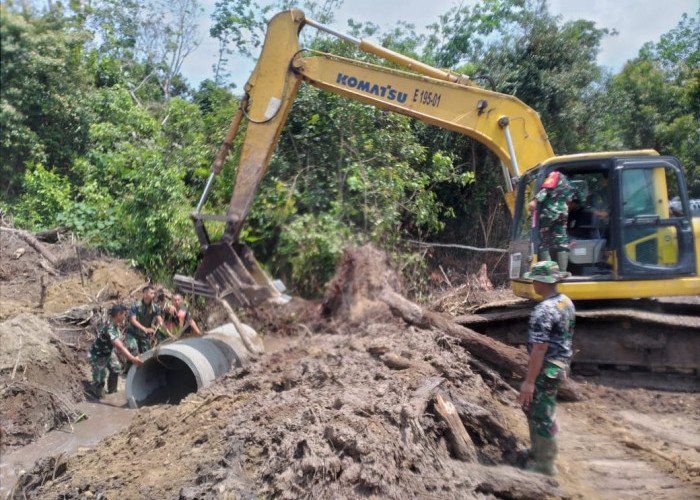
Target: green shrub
{"x":312,"y":245}
{"x":46,"y":195}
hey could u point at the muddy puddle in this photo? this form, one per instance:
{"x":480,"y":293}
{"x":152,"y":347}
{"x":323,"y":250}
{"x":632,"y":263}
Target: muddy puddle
{"x":101,"y":419}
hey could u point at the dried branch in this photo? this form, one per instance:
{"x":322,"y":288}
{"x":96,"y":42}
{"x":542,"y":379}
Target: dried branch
{"x":31,"y":240}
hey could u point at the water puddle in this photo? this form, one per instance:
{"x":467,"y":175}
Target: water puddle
{"x":105,"y":418}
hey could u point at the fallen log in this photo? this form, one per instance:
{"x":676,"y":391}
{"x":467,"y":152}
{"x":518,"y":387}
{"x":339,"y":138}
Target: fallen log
{"x":51,"y":235}
{"x":508,"y":482}
{"x":33,"y":242}
{"x":506,"y":357}
{"x":460,"y":443}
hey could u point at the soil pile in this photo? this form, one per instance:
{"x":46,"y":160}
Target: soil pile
{"x":52,"y":308}
{"x":40,"y":385}
{"x":354,"y":402}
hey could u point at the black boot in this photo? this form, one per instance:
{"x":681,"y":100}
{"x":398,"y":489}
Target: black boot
{"x":98,"y":389}
{"x":112,"y":381}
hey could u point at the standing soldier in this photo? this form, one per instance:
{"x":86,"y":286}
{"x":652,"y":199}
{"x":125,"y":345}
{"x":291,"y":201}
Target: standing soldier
{"x":140,"y":330}
{"x":549,"y":343}
{"x":102,"y":356}
{"x":551,"y":204}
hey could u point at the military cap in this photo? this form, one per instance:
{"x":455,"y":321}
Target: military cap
{"x":546,"y":271}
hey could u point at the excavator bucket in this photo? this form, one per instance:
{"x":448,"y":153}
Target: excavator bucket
{"x":229,"y":270}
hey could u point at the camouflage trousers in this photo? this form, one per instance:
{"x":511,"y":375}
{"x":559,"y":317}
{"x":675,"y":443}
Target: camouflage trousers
{"x":540,"y":413}
{"x":137,"y":344}
{"x":101,"y":364}
{"x":553,"y":234}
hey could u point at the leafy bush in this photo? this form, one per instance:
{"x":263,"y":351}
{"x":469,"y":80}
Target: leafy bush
{"x":46,"y":195}
{"x":312,"y":245}
{"x":93,"y":224}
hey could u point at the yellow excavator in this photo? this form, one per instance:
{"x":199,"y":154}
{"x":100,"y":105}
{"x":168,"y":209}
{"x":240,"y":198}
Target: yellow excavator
{"x":634,"y":236}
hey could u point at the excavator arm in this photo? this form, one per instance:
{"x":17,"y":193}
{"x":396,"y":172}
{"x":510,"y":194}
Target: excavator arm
{"x":511,"y":129}
{"x":508,"y":127}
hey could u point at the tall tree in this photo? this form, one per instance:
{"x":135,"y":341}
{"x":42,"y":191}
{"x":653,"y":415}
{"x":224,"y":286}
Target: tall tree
{"x":43,"y":89}
{"x":656,"y":98}
{"x":147,"y":41}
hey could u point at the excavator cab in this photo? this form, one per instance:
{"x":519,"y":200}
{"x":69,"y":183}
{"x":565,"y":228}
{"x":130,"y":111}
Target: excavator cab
{"x":630,"y":226}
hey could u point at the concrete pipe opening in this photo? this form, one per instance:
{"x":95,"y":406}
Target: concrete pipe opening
{"x":172,"y":371}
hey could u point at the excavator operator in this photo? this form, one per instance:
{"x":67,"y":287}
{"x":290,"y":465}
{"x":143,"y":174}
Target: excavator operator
{"x":551,"y":204}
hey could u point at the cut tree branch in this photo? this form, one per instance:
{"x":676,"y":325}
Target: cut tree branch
{"x":485,"y":348}
{"x":33,"y":242}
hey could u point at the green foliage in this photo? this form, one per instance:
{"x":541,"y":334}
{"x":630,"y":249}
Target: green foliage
{"x":120,"y":135}
{"x":42,"y":93}
{"x":272,"y":209}
{"x":153,"y":218}
{"x":312,"y":245}
{"x":47,"y":194}
{"x":217,"y":107}
{"x":185,"y":148}
{"x":95,"y":225}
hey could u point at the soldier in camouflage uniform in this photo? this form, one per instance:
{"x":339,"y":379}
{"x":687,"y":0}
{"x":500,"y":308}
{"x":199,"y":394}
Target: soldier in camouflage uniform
{"x":551,"y":204}
{"x":140,"y":331}
{"x":102,"y":356}
{"x":549,"y":343}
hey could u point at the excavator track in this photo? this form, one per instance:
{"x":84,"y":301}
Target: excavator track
{"x":652,"y":334}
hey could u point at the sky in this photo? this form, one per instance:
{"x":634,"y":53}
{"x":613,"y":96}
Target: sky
{"x":637,"y":22}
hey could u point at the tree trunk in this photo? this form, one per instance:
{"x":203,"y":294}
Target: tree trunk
{"x":51,"y":235}
{"x":506,"y":357}
{"x":31,"y":240}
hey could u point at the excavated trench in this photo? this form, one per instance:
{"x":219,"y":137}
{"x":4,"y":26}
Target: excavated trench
{"x":168,"y":375}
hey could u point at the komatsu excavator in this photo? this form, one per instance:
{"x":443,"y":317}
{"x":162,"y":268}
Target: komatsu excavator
{"x":627,"y":241}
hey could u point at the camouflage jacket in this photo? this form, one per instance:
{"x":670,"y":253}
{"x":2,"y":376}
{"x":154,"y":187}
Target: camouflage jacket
{"x":554,"y":197}
{"x":552,"y":322}
{"x":102,"y":347}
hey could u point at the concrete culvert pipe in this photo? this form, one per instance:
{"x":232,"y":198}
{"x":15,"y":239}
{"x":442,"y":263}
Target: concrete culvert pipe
{"x":172,"y":371}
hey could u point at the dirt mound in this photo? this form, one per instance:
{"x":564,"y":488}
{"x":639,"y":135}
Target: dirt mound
{"x":350,"y":410}
{"x":41,"y":385}
{"x":30,"y":284}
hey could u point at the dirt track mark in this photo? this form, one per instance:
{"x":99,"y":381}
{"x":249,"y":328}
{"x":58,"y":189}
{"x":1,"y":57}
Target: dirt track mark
{"x":618,"y":456}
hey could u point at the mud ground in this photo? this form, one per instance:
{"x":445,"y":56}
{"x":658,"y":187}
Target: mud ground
{"x":343,"y":404}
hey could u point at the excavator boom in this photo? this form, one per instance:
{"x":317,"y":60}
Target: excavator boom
{"x":508,"y":127}
{"x":640,"y":248}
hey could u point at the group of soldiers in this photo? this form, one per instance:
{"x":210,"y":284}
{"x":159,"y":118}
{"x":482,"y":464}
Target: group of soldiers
{"x":147,"y":327}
